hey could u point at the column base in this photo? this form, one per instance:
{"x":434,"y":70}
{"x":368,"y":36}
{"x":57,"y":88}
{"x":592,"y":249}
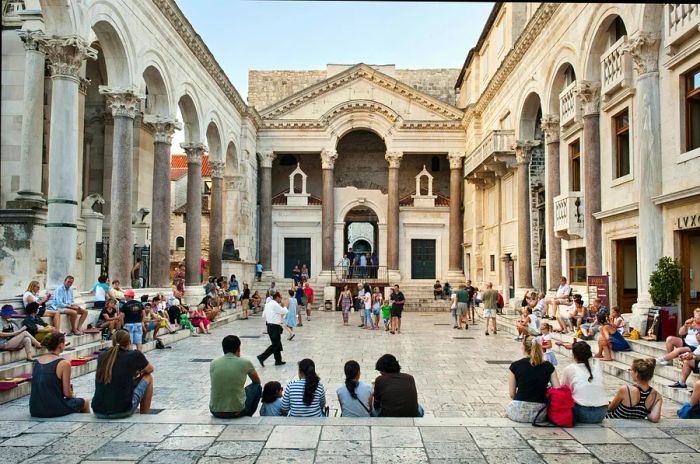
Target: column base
{"x":324,"y":279}
{"x":394,"y":276}
{"x":193,"y":294}
{"x":27,"y":200}
{"x":455,"y":276}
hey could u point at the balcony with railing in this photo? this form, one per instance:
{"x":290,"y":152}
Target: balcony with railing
{"x":358,"y":275}
{"x":569,"y":105}
{"x":680,"y":20}
{"x":615,"y":68}
{"x":496,"y":142}
{"x":568,"y":215}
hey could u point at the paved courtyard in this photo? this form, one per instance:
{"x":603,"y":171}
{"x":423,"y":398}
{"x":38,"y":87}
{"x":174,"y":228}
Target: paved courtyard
{"x":461,"y":377}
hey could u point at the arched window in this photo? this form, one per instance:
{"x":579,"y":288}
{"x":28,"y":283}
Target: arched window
{"x":435,"y":164}
{"x":569,"y":75}
{"x":288,"y":160}
{"x":179,"y":243}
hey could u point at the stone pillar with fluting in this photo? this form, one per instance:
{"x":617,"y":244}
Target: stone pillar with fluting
{"x":455,"y":251}
{"x":523,"y":149}
{"x":589,"y":93}
{"x":123,"y":104}
{"x":394,"y":160}
{"x":163,"y":130}
{"x":551,"y":128}
{"x":216,"y":211}
{"x":265,"y":251}
{"x":328,"y":157}
{"x":65,"y":55}
{"x":29,"y":192}
{"x":644,"y":49}
{"x":193,"y":220}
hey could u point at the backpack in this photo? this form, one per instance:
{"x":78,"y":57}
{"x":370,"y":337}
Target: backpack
{"x":559,"y":408}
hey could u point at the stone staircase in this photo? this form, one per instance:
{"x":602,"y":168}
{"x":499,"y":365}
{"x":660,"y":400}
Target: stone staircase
{"x":419,"y":298}
{"x":663,"y":375}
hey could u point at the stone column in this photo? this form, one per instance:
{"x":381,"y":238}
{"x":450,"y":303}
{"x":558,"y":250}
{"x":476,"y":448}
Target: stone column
{"x":522,"y":156}
{"x":328,"y":157}
{"x":551,"y":128}
{"x":265,"y":252}
{"x":644,"y":49}
{"x":394,"y":160}
{"x":93,"y":235}
{"x":216,"y":211}
{"x":193,"y":220}
{"x":455,"y":242}
{"x":66,"y":55}
{"x":32,"y":119}
{"x":123,"y":104}
{"x":589,"y":93}
{"x":163,"y":130}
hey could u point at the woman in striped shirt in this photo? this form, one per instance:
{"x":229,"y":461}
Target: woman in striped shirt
{"x":639,"y":401}
{"x":305,"y":397}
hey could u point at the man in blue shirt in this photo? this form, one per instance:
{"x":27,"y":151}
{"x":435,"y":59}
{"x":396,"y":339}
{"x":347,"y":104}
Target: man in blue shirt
{"x":258,"y":270}
{"x":63,"y":302}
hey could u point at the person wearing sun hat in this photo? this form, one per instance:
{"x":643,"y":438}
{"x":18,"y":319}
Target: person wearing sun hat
{"x":13,"y":337}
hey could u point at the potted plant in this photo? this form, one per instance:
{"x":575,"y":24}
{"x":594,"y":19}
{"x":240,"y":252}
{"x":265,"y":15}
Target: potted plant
{"x":665,"y":286}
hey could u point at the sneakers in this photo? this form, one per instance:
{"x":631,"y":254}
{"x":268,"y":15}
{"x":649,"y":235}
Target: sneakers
{"x":662,"y":362}
{"x":260,"y":360}
{"x":678,"y":384}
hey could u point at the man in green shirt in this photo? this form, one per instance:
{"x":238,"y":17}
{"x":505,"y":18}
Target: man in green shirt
{"x":461,"y":307}
{"x":490,"y":299}
{"x":229,"y":398}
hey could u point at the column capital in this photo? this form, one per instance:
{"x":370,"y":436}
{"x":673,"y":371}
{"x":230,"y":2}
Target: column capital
{"x":163,"y":128}
{"x":644,"y":50}
{"x":589,"y":94}
{"x":194,"y":152}
{"x":551,"y":127}
{"x":266,"y":158}
{"x":456,"y":158}
{"x":217,"y":168}
{"x":523,"y":149}
{"x":66,"y":55}
{"x":393,"y":158}
{"x":33,"y":40}
{"x":122,"y":102}
{"x":328,"y":157}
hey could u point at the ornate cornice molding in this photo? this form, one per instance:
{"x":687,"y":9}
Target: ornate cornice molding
{"x":532,"y":30}
{"x":66,"y":54}
{"x":551,"y":127}
{"x":328,"y":157}
{"x":644,"y":50}
{"x":163,"y":128}
{"x":360,"y":106}
{"x":361,"y":71}
{"x":122,"y":102}
{"x":417,"y":125}
{"x":456,"y":158}
{"x":394,"y":158}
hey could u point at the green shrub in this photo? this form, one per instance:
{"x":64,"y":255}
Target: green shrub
{"x":665,"y":282}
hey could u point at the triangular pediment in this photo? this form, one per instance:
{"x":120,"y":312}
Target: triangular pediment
{"x":361,"y":88}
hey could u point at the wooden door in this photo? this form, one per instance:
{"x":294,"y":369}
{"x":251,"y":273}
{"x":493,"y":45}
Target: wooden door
{"x":690,"y":263}
{"x":422,"y":259}
{"x":626,"y":273}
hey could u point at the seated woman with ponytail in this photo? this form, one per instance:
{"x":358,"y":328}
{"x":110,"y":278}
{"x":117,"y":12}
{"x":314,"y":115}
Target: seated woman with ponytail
{"x":528,"y":379}
{"x":355,"y":397}
{"x":305,"y":397}
{"x":585,"y":378}
{"x":52,"y":393}
{"x":123,"y":380}
{"x":639,"y":401}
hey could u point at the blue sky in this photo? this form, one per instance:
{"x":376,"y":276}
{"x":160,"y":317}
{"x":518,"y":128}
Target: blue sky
{"x":267,"y":35}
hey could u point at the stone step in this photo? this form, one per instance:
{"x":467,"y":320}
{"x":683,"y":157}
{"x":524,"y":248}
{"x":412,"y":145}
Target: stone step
{"x":7,"y":357}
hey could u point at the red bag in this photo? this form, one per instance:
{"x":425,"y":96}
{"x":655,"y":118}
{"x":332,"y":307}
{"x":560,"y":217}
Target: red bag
{"x":561,"y":404}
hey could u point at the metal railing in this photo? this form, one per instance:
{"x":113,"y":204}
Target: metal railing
{"x":496,"y":141}
{"x":359,"y":274}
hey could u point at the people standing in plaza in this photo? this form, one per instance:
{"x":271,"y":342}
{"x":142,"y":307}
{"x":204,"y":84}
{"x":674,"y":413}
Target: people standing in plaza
{"x":471,"y":291}
{"x":290,"y":320}
{"x":32,"y":295}
{"x":561,"y":297}
{"x":134,"y":315}
{"x":296,"y":276}
{"x":259,"y":271}
{"x":397,"y":302}
{"x":309,"y":292}
{"x":179,"y":279}
{"x":136,"y":279}
{"x":395,"y":393}
{"x":367,"y":308}
{"x":305,"y":397}
{"x":233,"y":290}
{"x":245,"y":300}
{"x":377,"y":299}
{"x":462,"y":308}
{"x":375,"y":265}
{"x":229,"y":397}
{"x":345,"y":302}
{"x":300,"y":297}
{"x":585,"y":378}
{"x":52,"y":393}
{"x":490,"y":299}
{"x":62,"y":301}
{"x":13,"y":337}
{"x":202,"y":267}
{"x":355,"y":397}
{"x":639,"y":401}
{"x":123,"y":380}
{"x":363,"y":265}
{"x":273,"y":314}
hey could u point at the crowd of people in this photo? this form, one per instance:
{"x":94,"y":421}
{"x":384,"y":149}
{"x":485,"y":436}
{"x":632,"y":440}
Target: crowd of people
{"x":376,"y":310}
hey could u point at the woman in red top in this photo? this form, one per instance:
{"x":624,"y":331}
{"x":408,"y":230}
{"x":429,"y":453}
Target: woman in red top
{"x":309,"y":292}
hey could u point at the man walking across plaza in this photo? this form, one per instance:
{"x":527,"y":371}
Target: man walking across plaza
{"x":490,"y":299}
{"x":229,"y":398}
{"x":397,"y":302}
{"x":461,"y":308}
{"x":63,"y":302}
{"x":309,"y":292}
{"x":471,"y":291}
{"x":274,"y":314}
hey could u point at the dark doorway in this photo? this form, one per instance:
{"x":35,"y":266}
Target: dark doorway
{"x":422,"y":259}
{"x":297,"y":251}
{"x":626,"y":285}
{"x":690,"y":264}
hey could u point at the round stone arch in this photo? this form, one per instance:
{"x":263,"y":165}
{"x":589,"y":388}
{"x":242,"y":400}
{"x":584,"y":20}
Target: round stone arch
{"x":213,"y":139}
{"x":566,"y":56}
{"x":529,"y":107}
{"x":188,"y":105}
{"x":157,"y":85}
{"x":62,"y":17}
{"x":231,"y":159}
{"x":594,"y":41}
{"x":379,"y":210}
{"x":361,"y":115}
{"x":109,"y":28}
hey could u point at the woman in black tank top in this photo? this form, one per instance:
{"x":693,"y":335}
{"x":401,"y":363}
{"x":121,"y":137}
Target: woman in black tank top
{"x":639,"y":401}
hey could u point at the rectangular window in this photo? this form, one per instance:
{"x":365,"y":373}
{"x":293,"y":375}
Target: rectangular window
{"x":621,"y":122}
{"x":508,"y":198}
{"x":484,"y":65}
{"x":492,"y":263}
{"x":692,"y":109}
{"x":575,"y":166}
{"x":577,"y":266}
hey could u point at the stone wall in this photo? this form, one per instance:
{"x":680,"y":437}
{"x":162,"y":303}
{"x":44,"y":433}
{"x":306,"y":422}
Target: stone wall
{"x":438,"y":83}
{"x":177,"y":229}
{"x":536,"y":180}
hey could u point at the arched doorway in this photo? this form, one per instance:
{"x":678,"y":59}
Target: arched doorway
{"x":361,"y":239}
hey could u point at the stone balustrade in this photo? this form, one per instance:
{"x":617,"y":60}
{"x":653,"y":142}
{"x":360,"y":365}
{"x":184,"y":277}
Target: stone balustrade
{"x":680,"y":20}
{"x":495,"y":142}
{"x":615,"y":68}
{"x":569,"y":105}
{"x":568,"y":215}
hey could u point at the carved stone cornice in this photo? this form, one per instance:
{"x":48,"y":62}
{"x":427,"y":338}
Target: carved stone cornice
{"x":417,"y":125}
{"x":551,"y":127}
{"x":33,"y":40}
{"x":644,"y":50}
{"x":194,"y":152}
{"x":394,"y":159}
{"x":163,"y":128}
{"x":217,"y":169}
{"x":456,"y":158}
{"x":532,"y":30}
{"x":523,"y":150}
{"x":589,"y":94}
{"x":266,"y":159}
{"x":201,"y":52}
{"x":122,"y":102}
{"x":328,"y":157}
{"x":66,"y":55}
